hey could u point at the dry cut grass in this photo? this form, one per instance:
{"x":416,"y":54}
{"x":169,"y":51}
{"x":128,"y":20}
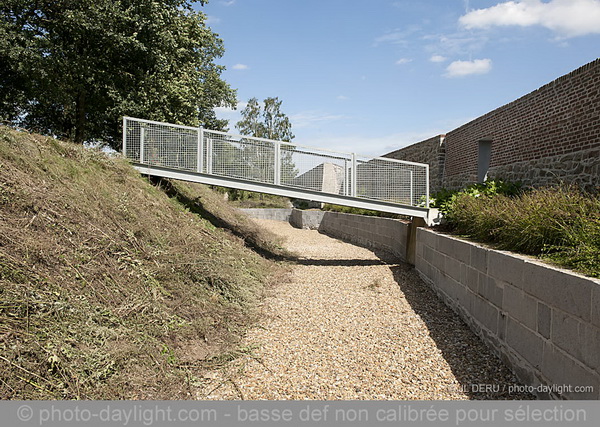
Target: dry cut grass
{"x":109,"y":288}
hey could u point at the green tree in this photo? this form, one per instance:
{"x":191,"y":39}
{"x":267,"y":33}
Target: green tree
{"x":269,"y":122}
{"x":73,"y":68}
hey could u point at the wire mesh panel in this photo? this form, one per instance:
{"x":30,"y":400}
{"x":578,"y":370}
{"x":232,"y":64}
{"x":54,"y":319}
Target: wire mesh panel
{"x":392,"y":181}
{"x":160,"y":144}
{"x":279,"y":163}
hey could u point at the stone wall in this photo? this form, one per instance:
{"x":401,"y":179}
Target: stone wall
{"x":541,"y":321}
{"x":430,"y":151}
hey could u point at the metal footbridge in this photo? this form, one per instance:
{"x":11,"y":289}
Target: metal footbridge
{"x":277,"y":167}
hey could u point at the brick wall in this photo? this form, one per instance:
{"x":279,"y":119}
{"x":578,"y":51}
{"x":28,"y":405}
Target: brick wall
{"x":557,"y":120}
{"x":548,"y":136}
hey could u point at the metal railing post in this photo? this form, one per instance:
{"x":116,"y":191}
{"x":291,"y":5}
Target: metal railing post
{"x":200,"y":152}
{"x":142,"y":134}
{"x":346,"y":178}
{"x":124,"y":147}
{"x":277,"y":174}
{"x":353,"y":176}
{"x":209,"y":155}
{"x":412,"y":188}
{"x":427,"y":185}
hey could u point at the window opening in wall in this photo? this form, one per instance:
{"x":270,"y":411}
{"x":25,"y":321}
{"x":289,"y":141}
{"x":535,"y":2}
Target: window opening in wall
{"x":483,"y":160}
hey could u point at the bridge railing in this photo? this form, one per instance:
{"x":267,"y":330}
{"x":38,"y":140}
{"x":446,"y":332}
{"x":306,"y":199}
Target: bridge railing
{"x":278,"y":163}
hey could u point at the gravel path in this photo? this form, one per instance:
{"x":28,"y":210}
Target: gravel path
{"x":349,"y":325}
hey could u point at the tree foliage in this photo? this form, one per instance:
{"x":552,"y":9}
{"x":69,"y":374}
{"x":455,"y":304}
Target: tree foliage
{"x":73,"y":68}
{"x":269,"y":122}
{"x":265,"y":121}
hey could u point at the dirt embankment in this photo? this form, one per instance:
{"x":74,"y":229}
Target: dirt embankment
{"x":109,"y":287}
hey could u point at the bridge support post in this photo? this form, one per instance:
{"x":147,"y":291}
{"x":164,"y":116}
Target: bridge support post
{"x":411,"y":244}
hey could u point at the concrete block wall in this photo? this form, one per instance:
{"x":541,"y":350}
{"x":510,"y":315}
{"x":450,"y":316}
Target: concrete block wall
{"x":542,"y":321}
{"x":386,"y":234}
{"x":274,"y":214}
{"x":306,"y":219}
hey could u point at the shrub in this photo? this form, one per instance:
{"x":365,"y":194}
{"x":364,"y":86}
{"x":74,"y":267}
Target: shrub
{"x":561,"y":224}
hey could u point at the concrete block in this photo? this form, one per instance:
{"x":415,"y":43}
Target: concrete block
{"x":505,"y":267}
{"x":491,"y":289}
{"x":596,"y":306}
{"x":565,"y":333}
{"x":544,"y":319}
{"x":561,"y":369}
{"x":422,"y":265}
{"x":438,"y":260}
{"x":569,"y":292}
{"x":428,"y":253}
{"x":479,"y":258}
{"x":502,"y":320}
{"x":520,"y":306}
{"x":428,"y":237}
{"x":462,"y":251}
{"x":459,"y":249}
{"x":453,"y":268}
{"x":485,"y":313}
{"x":590,"y":342}
{"x":454,"y":248}
{"x":524,"y":341}
{"x":471,"y":279}
{"x":450,"y":286}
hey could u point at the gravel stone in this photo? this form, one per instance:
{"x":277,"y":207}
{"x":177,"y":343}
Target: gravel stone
{"x":352,"y":324}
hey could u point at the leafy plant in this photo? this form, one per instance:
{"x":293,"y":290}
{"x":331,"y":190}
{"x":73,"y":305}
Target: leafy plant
{"x":560,"y":224}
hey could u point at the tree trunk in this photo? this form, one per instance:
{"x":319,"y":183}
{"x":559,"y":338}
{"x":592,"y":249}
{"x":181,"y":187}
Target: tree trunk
{"x":80,"y":117}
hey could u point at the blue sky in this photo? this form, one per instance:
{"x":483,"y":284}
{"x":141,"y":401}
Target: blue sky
{"x":374,"y":76}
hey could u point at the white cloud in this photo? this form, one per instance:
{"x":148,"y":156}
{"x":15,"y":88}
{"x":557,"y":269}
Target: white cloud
{"x":228,"y":3}
{"x":568,"y":18}
{"x":212,"y":20}
{"x":399,"y":36}
{"x":308,"y":119}
{"x":342,"y":98}
{"x":466,"y":68}
{"x":459,"y":43}
{"x":370,"y":145}
{"x":239,"y":67}
{"x":230,"y":114}
{"x":438,"y":58}
{"x":403,"y":61}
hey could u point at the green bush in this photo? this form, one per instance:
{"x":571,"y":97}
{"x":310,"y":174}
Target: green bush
{"x":561,"y":224}
{"x":444,"y":198}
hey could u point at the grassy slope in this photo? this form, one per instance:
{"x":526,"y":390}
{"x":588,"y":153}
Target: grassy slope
{"x":108,"y":287}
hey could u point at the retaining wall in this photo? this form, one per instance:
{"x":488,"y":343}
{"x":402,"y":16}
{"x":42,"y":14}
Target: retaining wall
{"x":274,"y":214}
{"x":306,"y":219}
{"x":385,"y":234}
{"x":541,"y":321}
